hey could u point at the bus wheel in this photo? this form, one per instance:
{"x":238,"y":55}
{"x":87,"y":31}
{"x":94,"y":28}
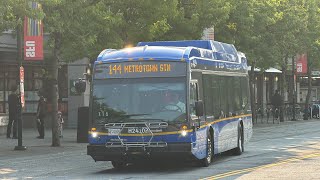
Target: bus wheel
{"x":207,"y":160}
{"x":238,"y":150}
{"x":119,"y":164}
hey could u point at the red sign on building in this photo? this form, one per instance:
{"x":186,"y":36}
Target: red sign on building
{"x":33,"y":37}
{"x":302,"y":64}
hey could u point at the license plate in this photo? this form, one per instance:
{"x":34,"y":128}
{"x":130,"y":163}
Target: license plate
{"x":143,"y":130}
{"x":113,"y":131}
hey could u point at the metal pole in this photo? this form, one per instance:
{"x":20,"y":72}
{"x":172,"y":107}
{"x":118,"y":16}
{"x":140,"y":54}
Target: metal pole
{"x":19,"y":50}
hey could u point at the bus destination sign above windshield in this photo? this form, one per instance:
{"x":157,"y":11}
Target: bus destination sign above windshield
{"x":140,"y":69}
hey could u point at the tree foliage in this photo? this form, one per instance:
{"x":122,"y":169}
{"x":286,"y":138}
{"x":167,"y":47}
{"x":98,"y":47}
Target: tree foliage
{"x":268,"y":32}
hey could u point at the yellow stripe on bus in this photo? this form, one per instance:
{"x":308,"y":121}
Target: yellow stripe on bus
{"x":173,"y":132}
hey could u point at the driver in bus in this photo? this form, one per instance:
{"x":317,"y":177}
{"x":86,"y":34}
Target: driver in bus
{"x":173,"y":102}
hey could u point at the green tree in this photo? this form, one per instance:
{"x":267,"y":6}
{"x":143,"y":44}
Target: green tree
{"x":269,"y":32}
{"x":311,"y":40}
{"x":73,"y":27}
{"x":247,"y":27}
{"x":190,"y":17}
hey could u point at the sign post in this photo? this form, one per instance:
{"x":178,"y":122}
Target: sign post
{"x":21,"y":105}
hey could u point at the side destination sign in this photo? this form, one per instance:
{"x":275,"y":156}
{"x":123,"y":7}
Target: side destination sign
{"x":139,"y":69}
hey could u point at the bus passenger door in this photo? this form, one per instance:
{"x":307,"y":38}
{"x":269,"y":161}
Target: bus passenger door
{"x":194,"y":97}
{"x":199,"y":140}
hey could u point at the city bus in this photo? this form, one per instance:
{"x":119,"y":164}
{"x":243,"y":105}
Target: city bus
{"x":169,"y":99}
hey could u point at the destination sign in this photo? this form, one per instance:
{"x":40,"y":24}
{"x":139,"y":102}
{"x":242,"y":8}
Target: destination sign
{"x":140,"y":69}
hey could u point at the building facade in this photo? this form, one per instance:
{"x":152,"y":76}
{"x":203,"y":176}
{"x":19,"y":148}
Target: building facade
{"x":34,"y":80}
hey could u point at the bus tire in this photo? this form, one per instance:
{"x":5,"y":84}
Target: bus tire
{"x":119,"y":164}
{"x":240,"y":148}
{"x":208,"y":159}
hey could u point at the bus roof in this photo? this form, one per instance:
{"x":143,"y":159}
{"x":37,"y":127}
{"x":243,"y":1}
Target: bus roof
{"x":204,"y":44}
{"x":142,"y":53}
{"x":173,"y":50}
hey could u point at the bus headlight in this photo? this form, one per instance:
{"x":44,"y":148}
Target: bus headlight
{"x":183,"y":133}
{"x":94,"y":134}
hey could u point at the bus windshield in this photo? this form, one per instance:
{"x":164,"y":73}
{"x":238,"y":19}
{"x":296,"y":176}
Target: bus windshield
{"x":144,"y":99}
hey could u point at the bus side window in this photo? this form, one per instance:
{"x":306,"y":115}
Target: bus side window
{"x":193,"y":97}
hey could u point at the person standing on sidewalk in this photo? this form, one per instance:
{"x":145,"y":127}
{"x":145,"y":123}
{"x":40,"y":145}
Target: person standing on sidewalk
{"x":41,"y":114}
{"x":13,"y":113}
{"x":276,"y":103}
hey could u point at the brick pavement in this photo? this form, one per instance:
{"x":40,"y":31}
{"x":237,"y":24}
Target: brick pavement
{"x":39,"y":146}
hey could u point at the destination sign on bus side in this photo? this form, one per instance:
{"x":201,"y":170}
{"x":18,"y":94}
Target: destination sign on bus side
{"x":139,"y":69}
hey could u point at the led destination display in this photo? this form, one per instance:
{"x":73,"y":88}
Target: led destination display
{"x":140,"y":69}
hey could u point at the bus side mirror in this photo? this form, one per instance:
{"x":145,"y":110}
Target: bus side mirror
{"x":199,"y":108}
{"x":80,"y":86}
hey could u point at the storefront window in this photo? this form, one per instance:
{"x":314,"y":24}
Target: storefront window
{"x":9,"y":78}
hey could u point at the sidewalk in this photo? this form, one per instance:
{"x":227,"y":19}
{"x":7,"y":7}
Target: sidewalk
{"x":39,"y":146}
{"x":268,"y":122}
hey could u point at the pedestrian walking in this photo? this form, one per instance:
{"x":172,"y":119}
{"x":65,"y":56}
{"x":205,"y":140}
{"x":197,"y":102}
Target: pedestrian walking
{"x":41,"y":114}
{"x":276,"y":103}
{"x":13,"y":113}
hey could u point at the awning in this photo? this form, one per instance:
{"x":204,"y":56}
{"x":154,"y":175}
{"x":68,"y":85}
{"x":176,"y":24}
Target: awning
{"x":270,"y":70}
{"x":273,"y":70}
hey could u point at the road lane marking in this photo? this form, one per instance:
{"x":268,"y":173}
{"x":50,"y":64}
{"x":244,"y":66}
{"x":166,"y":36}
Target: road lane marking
{"x":7,"y":171}
{"x":241,"y":171}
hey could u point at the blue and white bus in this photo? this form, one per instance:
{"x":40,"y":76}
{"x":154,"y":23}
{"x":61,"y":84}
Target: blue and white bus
{"x":169,"y":99}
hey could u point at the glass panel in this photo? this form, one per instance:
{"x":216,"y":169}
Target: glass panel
{"x":6,"y":107}
{"x":13,"y":72}
{"x":231,"y":96}
{"x":144,"y":99}
{"x":2,"y":84}
{"x":11,"y":83}
{"x":28,"y":83}
{"x":7,"y":95}
{"x":1,"y":95}
{"x":245,"y":93}
{"x":237,"y":95}
{"x":31,"y":107}
{"x":37,"y":84}
{"x":31,"y":95}
{"x":208,"y":94}
{"x":193,"y":98}
{"x":27,"y":72}
{"x":2,"y":107}
{"x":224,"y":97}
{"x":216,"y":96}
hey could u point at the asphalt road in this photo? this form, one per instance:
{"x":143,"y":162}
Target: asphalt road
{"x":285,"y":151}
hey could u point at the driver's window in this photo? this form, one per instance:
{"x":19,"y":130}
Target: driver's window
{"x":193,"y":97}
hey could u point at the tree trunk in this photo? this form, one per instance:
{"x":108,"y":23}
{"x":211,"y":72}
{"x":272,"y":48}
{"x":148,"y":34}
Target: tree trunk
{"x":54,"y":89}
{"x":252,"y":94}
{"x":293,"y":92}
{"x":282,"y":88}
{"x":306,"y":105}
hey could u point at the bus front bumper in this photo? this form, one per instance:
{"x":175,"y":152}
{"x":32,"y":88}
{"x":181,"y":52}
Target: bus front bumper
{"x":172,"y":150}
